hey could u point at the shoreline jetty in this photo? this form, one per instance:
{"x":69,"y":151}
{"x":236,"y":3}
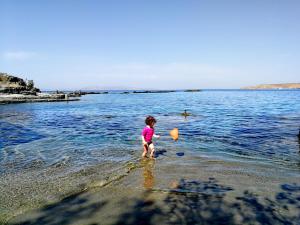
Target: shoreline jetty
{"x":15,"y":90}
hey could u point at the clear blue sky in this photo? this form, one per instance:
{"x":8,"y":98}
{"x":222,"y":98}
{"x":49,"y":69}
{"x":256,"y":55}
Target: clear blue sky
{"x":163,"y":44}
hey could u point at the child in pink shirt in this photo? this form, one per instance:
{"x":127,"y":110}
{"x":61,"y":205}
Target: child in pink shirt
{"x":147,"y":134}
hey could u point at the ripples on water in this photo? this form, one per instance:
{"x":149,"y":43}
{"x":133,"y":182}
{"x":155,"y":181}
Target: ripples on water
{"x":233,"y":125}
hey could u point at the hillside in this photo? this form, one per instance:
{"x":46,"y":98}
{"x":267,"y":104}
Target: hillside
{"x":275,"y":86}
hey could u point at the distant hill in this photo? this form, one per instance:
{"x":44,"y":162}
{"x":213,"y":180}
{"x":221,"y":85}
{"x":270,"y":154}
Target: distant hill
{"x":275,"y":86}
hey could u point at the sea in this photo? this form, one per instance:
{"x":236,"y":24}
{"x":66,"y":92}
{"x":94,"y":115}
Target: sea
{"x":63,"y":147}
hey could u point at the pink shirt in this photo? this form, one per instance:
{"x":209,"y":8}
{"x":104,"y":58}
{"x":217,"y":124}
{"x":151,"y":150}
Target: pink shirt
{"x":148,"y":133}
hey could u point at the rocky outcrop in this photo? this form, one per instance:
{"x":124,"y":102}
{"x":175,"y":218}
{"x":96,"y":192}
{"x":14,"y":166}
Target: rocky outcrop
{"x":275,"y":86}
{"x":145,"y":92}
{"x":16,"y":90}
{"x":192,"y":90}
{"x":13,"y":85}
{"x":39,"y":97}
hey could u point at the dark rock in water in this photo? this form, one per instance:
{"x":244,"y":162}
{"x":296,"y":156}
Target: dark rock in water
{"x":13,"y":85}
{"x":152,"y":92}
{"x":80,"y":93}
{"x":185,"y":113}
{"x":109,"y":116}
{"x":180,"y":153}
{"x":193,"y":90}
{"x":75,"y":94}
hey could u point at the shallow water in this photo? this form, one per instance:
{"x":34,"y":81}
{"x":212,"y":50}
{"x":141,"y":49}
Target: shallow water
{"x":62,"y":146}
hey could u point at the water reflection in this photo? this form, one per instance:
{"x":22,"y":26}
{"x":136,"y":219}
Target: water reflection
{"x":148,"y":175}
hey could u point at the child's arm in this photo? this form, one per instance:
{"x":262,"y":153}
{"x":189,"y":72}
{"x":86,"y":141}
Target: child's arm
{"x":156,"y":135}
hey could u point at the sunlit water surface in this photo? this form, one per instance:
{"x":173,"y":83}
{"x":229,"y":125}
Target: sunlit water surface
{"x":65,"y":138}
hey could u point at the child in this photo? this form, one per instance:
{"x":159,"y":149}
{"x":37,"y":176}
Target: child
{"x":147,"y":134}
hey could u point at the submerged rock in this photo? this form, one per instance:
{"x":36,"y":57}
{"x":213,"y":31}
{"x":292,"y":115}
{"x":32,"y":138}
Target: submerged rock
{"x":185,"y":113}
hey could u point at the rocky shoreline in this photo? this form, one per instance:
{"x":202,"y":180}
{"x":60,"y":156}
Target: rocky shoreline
{"x":41,"y":97}
{"x":16,"y":90}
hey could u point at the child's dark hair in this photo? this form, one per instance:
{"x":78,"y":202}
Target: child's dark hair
{"x":150,"y":120}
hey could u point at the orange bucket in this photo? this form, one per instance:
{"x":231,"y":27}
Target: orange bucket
{"x":174,"y":134}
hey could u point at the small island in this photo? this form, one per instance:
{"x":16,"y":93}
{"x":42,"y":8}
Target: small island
{"x":192,"y":90}
{"x":15,"y":90}
{"x":153,"y":92}
{"x":274,"y":86}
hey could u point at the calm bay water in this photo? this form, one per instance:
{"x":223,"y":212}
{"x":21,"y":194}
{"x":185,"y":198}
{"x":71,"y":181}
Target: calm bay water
{"x":259,"y":125}
{"x":44,"y":141}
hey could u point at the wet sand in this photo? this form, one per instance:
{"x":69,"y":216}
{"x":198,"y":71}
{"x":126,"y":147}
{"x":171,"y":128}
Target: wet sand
{"x":200,"y":190}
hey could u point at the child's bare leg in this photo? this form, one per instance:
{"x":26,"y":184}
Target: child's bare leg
{"x":145,"y":151}
{"x":151,"y":147}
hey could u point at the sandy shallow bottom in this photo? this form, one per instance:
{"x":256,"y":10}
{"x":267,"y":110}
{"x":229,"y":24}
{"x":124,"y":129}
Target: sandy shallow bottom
{"x":199,"y":191}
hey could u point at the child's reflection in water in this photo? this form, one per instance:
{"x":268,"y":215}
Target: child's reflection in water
{"x":149,"y":180}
